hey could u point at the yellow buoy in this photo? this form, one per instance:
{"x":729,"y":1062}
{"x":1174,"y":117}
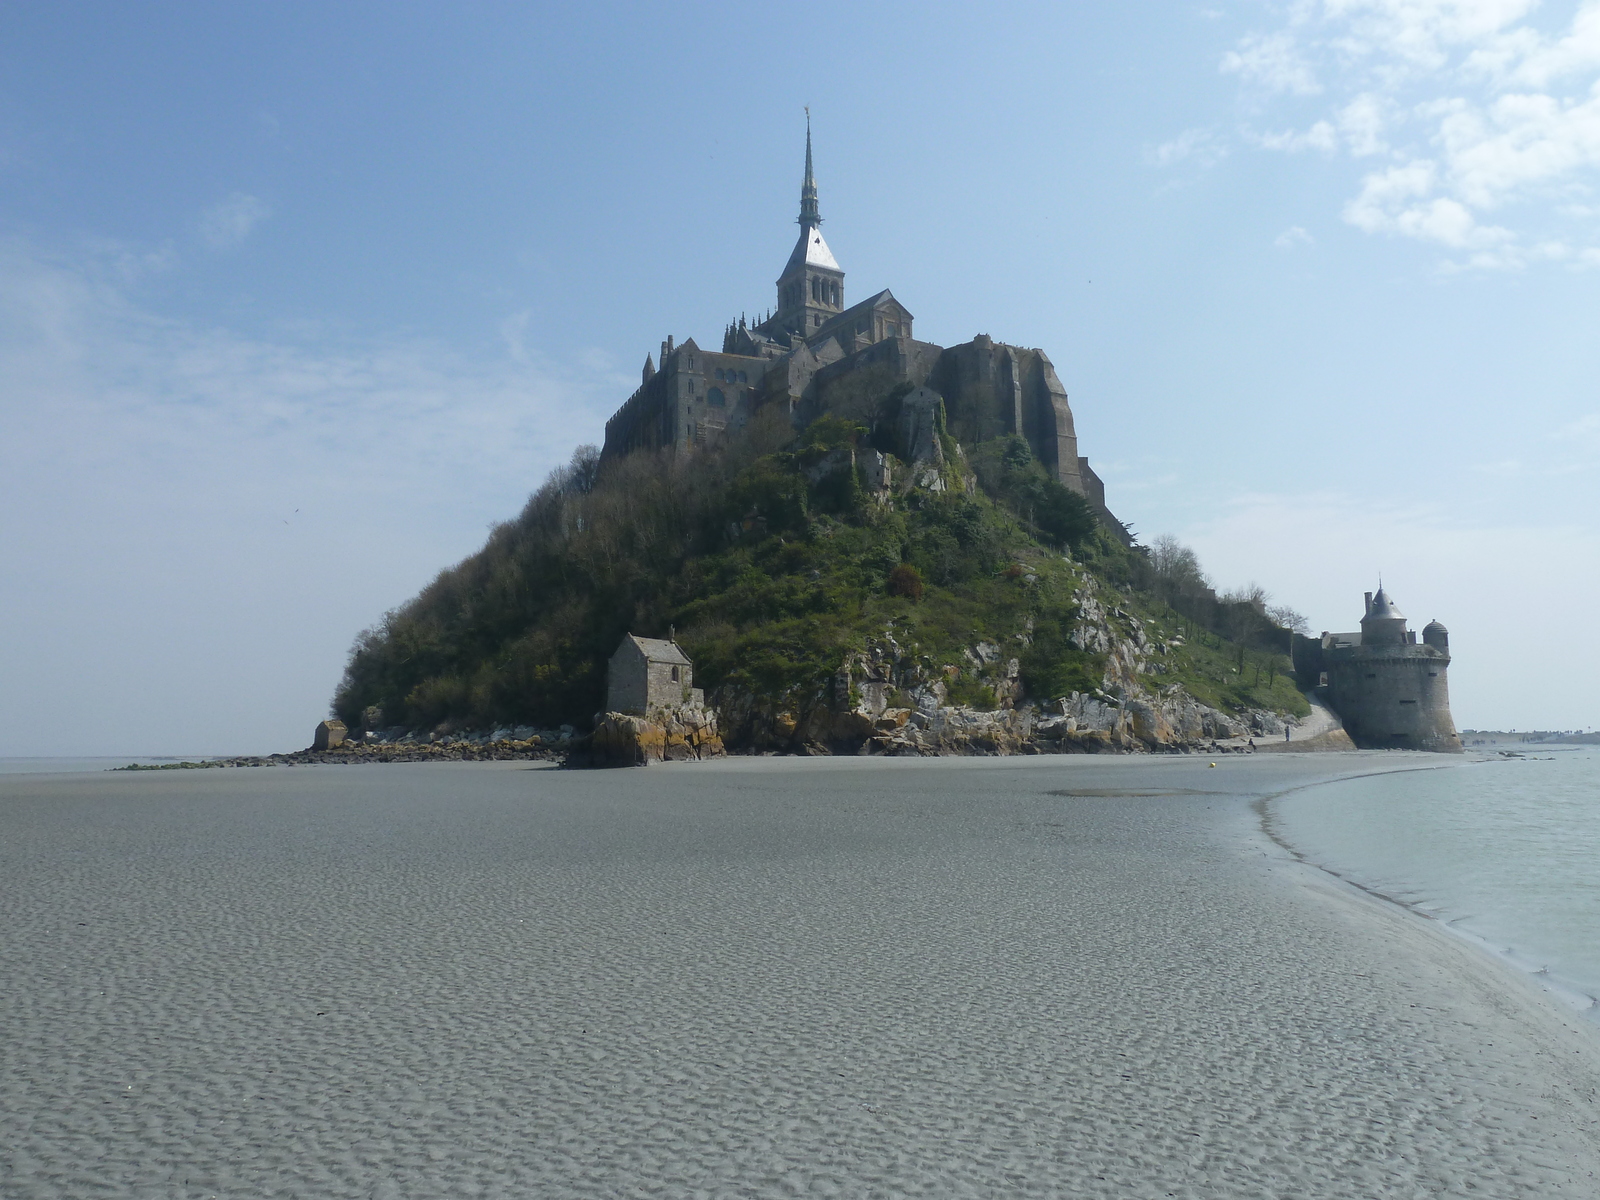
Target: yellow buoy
{"x":1212,"y":764}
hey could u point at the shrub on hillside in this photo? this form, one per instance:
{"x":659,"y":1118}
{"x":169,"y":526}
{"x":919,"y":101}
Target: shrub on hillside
{"x":905,"y":580}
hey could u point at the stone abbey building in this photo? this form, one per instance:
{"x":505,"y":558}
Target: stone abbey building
{"x":1391,"y":691}
{"x":814,"y":355}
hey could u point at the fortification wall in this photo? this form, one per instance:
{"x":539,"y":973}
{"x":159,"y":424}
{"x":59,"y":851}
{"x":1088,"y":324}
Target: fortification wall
{"x":992,"y":389}
{"x":1393,"y":697}
{"x":855,"y":386}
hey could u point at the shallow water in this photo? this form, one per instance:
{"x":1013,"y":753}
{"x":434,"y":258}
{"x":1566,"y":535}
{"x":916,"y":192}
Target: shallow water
{"x":1504,"y":850}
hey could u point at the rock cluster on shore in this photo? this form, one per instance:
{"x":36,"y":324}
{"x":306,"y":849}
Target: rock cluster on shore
{"x":404,"y":747}
{"x":687,"y":731}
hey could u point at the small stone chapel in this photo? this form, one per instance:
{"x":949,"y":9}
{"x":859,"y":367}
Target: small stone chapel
{"x":646,"y":675}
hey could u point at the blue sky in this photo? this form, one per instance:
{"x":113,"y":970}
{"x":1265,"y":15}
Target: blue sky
{"x":296,"y":300}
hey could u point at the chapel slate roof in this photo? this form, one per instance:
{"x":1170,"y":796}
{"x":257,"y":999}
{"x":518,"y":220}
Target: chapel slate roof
{"x":660,"y":650}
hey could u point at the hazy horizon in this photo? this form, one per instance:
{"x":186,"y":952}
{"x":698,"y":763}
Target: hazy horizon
{"x":295,"y":304}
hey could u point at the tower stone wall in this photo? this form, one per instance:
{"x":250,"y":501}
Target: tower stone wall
{"x":1390,"y":691}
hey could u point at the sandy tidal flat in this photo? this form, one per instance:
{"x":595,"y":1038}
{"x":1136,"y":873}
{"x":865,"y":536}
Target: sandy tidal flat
{"x":1007,"y":977}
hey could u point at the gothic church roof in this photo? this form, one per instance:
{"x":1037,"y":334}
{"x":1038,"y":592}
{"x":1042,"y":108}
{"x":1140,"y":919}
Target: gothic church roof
{"x":811,"y":251}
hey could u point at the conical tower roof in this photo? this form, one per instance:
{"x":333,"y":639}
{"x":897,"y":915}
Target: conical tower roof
{"x":1383,"y":608}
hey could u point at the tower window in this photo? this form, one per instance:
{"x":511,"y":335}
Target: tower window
{"x":816,"y":319}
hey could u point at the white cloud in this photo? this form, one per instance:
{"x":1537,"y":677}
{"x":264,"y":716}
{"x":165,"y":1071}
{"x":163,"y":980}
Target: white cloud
{"x":231,"y":221}
{"x":1399,"y":200}
{"x":1474,"y":109}
{"x":1202,"y":146}
{"x":1321,"y":136}
{"x":1273,"y":61}
{"x":1292,"y":237}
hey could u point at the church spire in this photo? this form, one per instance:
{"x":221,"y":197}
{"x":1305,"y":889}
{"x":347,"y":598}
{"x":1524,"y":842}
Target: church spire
{"x":808,"y":189}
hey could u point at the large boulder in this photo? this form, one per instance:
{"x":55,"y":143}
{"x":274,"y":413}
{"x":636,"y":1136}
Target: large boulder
{"x":666,"y":735}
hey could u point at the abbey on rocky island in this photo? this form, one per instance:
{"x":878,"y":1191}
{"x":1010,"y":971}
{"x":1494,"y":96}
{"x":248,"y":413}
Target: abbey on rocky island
{"x":814,"y":355}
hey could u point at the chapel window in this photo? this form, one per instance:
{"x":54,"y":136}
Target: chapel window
{"x":675,"y":675}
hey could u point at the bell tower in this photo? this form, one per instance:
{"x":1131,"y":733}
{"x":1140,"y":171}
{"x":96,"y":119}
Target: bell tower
{"x":811,"y":288}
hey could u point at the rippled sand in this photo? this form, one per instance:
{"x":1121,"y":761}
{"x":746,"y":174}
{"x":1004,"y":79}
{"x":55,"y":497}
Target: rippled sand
{"x":746,"y":978}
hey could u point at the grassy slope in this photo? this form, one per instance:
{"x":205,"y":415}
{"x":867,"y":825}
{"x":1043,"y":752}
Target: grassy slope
{"x":770,"y":579}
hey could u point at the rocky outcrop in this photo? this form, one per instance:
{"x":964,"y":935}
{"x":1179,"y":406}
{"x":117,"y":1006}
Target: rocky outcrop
{"x":688,"y":731}
{"x":889,"y":699}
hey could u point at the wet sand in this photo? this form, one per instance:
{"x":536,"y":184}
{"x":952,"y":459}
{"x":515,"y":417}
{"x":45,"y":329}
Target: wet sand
{"x":771,"y":977}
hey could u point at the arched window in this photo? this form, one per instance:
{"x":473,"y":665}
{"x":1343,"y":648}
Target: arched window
{"x":719,"y":372}
{"x":814,"y":295}
{"x":716,"y":399}
{"x":743,"y":378}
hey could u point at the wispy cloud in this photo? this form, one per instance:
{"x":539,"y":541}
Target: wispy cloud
{"x":1292,"y":237}
{"x":1203,"y":147}
{"x":1273,"y":61}
{"x":189,"y":514}
{"x":231,"y":221}
{"x":1486,"y":127}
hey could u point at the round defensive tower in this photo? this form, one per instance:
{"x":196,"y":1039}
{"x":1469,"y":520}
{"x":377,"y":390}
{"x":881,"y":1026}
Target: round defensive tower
{"x":1391,"y":692}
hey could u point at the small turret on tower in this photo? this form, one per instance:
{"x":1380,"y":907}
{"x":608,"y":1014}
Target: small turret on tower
{"x":1384,"y":624}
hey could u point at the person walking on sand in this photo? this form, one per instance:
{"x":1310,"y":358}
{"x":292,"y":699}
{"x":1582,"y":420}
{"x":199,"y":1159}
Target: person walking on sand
{"x":1286,"y":733}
